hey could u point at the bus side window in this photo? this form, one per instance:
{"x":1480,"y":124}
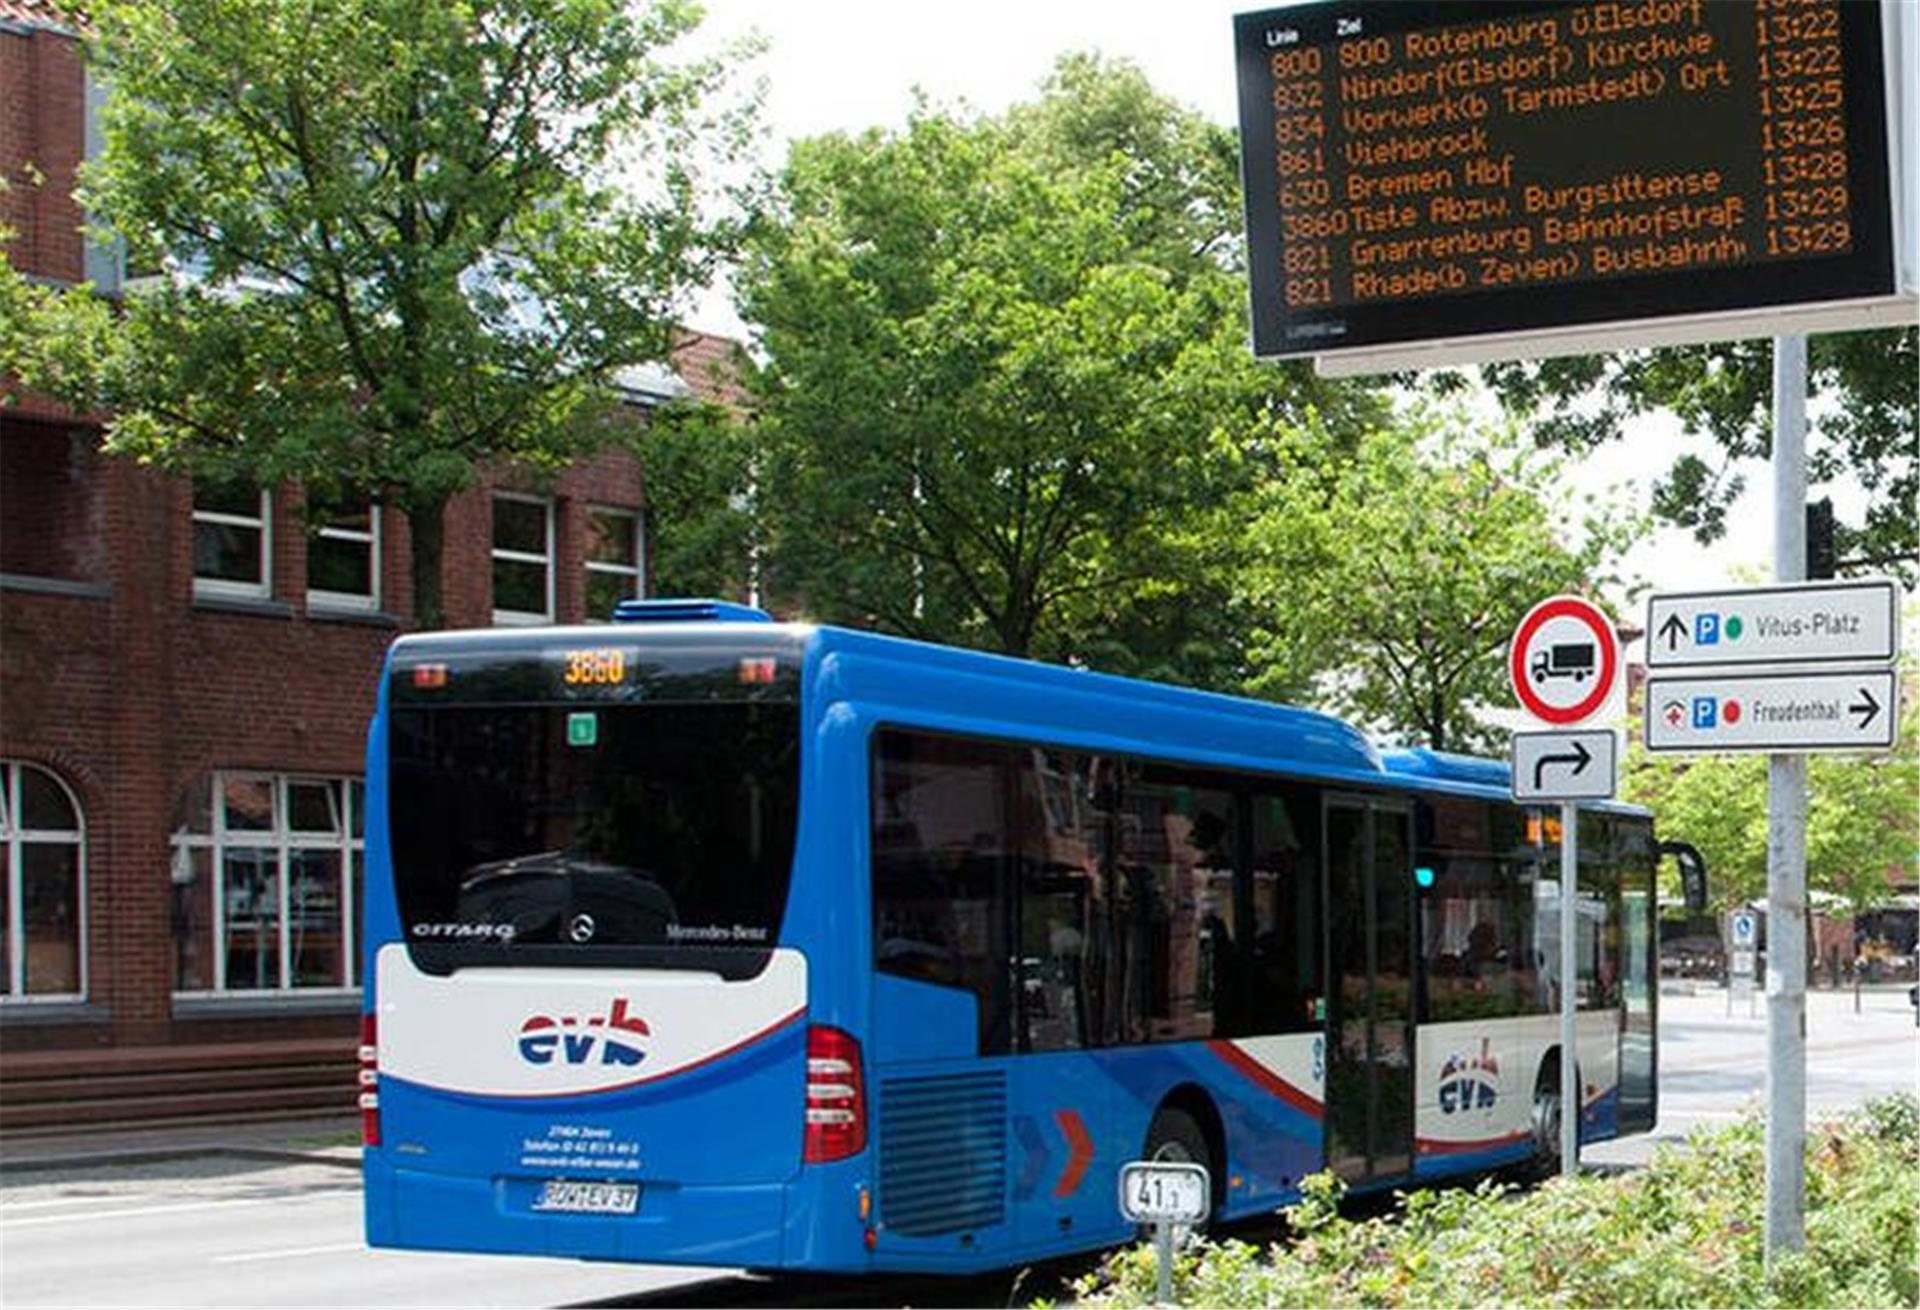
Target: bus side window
{"x":1173,"y":885}
{"x":1283,"y":942}
{"x":1057,"y":846}
{"x":1466,"y":936}
{"x":939,"y":837}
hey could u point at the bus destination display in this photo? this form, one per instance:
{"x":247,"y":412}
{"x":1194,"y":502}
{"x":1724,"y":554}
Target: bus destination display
{"x":1421,"y":172}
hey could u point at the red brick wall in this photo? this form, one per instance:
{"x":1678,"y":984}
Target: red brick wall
{"x":132,"y":697}
{"x":42,"y":140}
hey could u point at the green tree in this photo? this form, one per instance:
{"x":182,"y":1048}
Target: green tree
{"x":1862,"y":821}
{"x":394,"y":241}
{"x":1864,"y":421}
{"x":1007,"y":396}
{"x":699,"y":461}
{"x":1399,"y":573}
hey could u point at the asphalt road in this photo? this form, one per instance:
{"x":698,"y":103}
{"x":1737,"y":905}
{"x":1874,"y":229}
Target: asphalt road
{"x":211,"y":1231}
{"x":1713,"y":1065}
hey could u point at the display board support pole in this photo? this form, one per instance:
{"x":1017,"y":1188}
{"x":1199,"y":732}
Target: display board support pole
{"x":1570,"y":1097}
{"x":1787,"y":842}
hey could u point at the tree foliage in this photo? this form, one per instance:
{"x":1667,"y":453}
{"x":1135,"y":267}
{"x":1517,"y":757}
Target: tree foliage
{"x":699,"y":461}
{"x":391,"y":242}
{"x":1864,"y":422}
{"x":1007,"y":400}
{"x":1398,"y":574}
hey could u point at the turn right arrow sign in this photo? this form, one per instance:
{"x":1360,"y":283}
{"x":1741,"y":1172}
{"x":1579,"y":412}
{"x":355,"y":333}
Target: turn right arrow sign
{"x":1564,"y":766}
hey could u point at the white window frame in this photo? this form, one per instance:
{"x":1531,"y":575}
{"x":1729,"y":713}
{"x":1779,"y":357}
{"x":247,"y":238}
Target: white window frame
{"x":14,"y":838}
{"x":360,"y":602}
{"x":227,"y":588}
{"x":522,"y":618}
{"x":637,"y":570}
{"x":282,"y":840}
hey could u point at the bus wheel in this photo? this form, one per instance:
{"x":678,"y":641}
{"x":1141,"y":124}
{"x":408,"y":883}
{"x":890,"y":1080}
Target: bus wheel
{"x":1176,"y":1136}
{"x":1543,"y":1122}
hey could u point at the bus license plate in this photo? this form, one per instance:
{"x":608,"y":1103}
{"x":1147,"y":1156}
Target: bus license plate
{"x":568,"y":1196}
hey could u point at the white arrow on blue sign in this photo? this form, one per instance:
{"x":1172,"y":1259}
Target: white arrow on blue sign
{"x":1745,"y":928}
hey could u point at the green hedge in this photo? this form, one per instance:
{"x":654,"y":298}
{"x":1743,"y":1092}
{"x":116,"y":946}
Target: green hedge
{"x":1685,"y":1231}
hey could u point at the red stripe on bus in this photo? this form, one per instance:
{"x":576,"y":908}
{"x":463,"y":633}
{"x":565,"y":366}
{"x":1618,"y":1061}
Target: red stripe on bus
{"x":1434,"y":1146}
{"x":1267,"y":1078}
{"x":674,"y":1072}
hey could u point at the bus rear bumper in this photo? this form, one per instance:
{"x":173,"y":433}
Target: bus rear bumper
{"x":726,"y":1226}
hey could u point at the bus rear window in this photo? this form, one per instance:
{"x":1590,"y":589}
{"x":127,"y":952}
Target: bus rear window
{"x":556,"y":834}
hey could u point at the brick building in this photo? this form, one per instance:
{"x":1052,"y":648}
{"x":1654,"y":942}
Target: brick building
{"x":186,"y":674}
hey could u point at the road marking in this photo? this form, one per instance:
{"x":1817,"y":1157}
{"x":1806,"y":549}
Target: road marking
{"x":12,"y":1206}
{"x":94,"y":1216}
{"x":244,"y":1257}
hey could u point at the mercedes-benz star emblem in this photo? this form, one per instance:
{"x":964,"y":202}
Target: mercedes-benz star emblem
{"x":580,"y":928}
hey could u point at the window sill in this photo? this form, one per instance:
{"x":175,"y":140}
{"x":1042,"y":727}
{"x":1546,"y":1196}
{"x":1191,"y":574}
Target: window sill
{"x":244,"y":1005}
{"x":17,"y":1013}
{"x":346,"y":614}
{"x":55,"y":586}
{"x":253,"y":608}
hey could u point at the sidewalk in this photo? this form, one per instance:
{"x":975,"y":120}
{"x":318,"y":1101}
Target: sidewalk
{"x":330,"y":1140}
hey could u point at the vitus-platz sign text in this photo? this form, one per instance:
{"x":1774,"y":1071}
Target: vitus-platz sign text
{"x":1827,"y":685}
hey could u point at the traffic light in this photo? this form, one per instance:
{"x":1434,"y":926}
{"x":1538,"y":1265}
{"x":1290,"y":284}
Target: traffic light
{"x":1820,"y":556}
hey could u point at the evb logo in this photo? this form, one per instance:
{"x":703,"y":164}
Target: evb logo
{"x":613,"y":1036}
{"x":1470,"y":1082}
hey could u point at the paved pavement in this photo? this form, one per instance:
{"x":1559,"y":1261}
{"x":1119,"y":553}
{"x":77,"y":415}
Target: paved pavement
{"x":1713,"y":1064}
{"x":269,"y":1214}
{"x":243,"y":1215}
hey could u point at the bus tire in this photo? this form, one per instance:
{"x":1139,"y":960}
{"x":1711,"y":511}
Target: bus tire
{"x":1543,"y":1118}
{"x":1176,"y":1136}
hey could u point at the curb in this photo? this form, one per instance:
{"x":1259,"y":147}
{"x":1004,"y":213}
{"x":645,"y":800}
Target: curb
{"x":165,"y":1154}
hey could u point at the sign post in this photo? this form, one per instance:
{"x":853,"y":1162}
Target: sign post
{"x":1787,"y":843}
{"x":1563,"y":661}
{"x":1163,"y":1195}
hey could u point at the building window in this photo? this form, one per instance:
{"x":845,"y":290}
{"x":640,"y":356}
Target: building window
{"x":616,"y":566}
{"x":522,"y":559}
{"x":44,"y":936}
{"x":267,"y":879}
{"x":343,"y":555}
{"x":231,"y":540}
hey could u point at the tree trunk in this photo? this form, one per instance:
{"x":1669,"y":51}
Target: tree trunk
{"x":428,"y":522}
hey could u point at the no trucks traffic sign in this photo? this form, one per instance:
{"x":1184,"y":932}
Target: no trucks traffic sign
{"x":1564,"y":660}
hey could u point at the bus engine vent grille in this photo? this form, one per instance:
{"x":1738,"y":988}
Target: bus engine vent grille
{"x":943,"y":1153}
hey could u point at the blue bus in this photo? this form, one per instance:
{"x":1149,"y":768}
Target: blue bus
{"x":704,"y":939}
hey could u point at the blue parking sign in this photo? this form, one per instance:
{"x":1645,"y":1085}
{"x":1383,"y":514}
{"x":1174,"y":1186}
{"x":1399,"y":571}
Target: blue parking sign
{"x":1706,"y":711}
{"x":1706,"y":629}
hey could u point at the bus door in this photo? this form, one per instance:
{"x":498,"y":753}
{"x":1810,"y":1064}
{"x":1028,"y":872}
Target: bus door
{"x":1370,"y":1033}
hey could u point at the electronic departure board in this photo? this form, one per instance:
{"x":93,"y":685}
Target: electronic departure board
{"x":1420,"y":172}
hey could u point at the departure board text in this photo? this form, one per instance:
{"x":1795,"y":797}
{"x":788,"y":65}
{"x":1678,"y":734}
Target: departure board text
{"x":1418,"y":171}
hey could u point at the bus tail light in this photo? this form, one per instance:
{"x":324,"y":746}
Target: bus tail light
{"x":369,"y":1081}
{"x":836,"y":1097}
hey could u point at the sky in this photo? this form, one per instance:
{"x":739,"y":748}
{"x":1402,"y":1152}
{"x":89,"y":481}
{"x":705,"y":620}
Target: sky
{"x":853,"y":64}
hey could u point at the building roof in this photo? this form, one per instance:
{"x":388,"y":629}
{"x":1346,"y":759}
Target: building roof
{"x":38,"y":15}
{"x":701,"y":366}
